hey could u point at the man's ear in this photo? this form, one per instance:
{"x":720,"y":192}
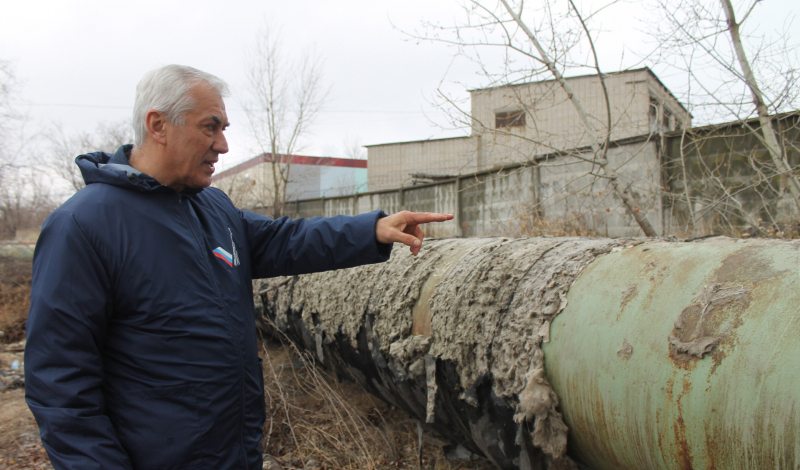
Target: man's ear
{"x":156,"y":126}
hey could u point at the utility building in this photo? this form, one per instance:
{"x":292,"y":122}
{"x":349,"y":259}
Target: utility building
{"x":517,"y":123}
{"x":251,"y":184}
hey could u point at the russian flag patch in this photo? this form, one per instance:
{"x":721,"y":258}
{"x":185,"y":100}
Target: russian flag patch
{"x":220,"y":253}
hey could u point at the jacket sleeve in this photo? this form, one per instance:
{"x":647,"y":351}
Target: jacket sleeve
{"x":283,"y":247}
{"x":71,"y":304}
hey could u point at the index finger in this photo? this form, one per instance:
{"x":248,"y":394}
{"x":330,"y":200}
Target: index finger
{"x":426,"y":217}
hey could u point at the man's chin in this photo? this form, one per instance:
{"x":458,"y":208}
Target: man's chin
{"x":196,"y":185}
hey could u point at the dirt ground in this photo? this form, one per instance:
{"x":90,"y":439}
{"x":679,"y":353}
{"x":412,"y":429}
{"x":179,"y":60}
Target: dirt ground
{"x":20,"y":447}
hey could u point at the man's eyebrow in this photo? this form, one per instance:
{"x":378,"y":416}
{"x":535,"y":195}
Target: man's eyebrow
{"x":218,"y":120}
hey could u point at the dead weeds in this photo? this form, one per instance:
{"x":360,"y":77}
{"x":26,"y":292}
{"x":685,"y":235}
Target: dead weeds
{"x":315,"y":422}
{"x":528,"y":223}
{"x":15,"y":291}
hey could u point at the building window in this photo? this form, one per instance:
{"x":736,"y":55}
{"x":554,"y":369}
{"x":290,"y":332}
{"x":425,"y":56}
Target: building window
{"x":652,"y":113}
{"x":509,"y":119}
{"x":667,"y":120}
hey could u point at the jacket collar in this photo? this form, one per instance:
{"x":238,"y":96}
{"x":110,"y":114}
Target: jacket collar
{"x":115,"y":169}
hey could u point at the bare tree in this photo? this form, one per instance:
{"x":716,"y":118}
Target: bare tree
{"x":706,"y":42}
{"x":286,"y":95}
{"x":10,"y":117}
{"x":63,"y":147}
{"x":771,"y":142}
{"x":544,"y":45}
{"x":721,"y":179}
{"x":25,"y":198}
{"x":353,"y":148}
{"x":244,"y":191}
{"x":599,"y":148}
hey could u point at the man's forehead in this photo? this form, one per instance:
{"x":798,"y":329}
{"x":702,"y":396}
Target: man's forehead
{"x":207,"y":98}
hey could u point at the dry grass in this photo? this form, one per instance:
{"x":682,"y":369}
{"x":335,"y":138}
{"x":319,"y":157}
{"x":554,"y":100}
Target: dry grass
{"x":15,"y":291}
{"x":530,"y":224}
{"x":313,"y":422}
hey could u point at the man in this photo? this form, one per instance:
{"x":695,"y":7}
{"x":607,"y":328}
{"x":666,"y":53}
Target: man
{"x":141,"y":348}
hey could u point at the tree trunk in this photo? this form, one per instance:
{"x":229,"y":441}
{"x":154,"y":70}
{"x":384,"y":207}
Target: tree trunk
{"x":628,"y":200}
{"x":770,"y":140}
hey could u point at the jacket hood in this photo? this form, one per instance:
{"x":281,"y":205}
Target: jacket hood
{"x":114,"y":169}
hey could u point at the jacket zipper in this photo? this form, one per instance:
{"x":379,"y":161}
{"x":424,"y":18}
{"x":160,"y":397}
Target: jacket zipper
{"x":201,"y":246}
{"x":231,"y":329}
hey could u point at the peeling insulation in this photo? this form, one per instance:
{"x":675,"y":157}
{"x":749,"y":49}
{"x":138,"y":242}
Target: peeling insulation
{"x":452,"y":336}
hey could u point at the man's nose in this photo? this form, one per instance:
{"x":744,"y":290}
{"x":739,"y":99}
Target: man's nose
{"x":220,"y":143}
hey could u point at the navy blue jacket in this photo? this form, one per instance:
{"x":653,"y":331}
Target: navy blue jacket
{"x":141,"y":347}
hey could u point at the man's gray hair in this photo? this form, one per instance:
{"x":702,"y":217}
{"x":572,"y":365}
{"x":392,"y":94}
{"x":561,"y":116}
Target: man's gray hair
{"x":167,"y":91}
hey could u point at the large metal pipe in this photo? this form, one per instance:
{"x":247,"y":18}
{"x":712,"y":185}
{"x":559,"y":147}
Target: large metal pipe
{"x":683,"y":356}
{"x":661,"y":355}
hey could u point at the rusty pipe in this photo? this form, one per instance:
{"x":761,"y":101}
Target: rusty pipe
{"x":533,"y":352}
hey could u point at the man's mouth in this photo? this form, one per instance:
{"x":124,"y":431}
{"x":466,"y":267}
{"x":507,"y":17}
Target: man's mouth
{"x":210,"y":165}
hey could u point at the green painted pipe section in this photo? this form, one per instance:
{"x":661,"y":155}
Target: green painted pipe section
{"x":683,"y":356}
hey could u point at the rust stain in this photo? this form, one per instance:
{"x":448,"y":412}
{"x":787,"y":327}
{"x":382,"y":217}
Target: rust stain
{"x":719,"y":354}
{"x":670,"y":386}
{"x":748,"y":264}
{"x":630,"y":293}
{"x":682,"y":361}
{"x":683,"y":451}
{"x":712,"y":449}
{"x":660,"y":434}
{"x":649,"y":267}
{"x":594,"y":433}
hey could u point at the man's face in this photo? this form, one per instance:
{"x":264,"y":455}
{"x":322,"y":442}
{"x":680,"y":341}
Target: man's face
{"x":194,"y":148}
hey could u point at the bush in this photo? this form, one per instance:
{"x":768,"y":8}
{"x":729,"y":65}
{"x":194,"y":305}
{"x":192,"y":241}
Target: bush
{"x":15,"y":292}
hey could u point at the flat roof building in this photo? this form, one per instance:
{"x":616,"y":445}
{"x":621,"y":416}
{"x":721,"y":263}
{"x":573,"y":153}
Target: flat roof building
{"x":251,"y":184}
{"x":512,"y":124}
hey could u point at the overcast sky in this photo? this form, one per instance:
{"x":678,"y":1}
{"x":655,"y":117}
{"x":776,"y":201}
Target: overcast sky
{"x":79,"y":60}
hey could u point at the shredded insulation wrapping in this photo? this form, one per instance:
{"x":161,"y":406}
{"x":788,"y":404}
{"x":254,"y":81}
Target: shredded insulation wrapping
{"x":452,"y":336}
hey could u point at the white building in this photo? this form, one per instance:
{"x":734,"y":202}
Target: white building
{"x":250,"y":184}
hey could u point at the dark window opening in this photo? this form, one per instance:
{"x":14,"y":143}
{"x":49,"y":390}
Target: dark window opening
{"x":653,"y":113}
{"x":667,"y":120}
{"x":509,"y":119}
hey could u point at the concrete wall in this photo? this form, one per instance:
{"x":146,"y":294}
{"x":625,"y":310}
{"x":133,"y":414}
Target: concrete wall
{"x":508,"y":201}
{"x":721,"y":179}
{"x":571,"y":195}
